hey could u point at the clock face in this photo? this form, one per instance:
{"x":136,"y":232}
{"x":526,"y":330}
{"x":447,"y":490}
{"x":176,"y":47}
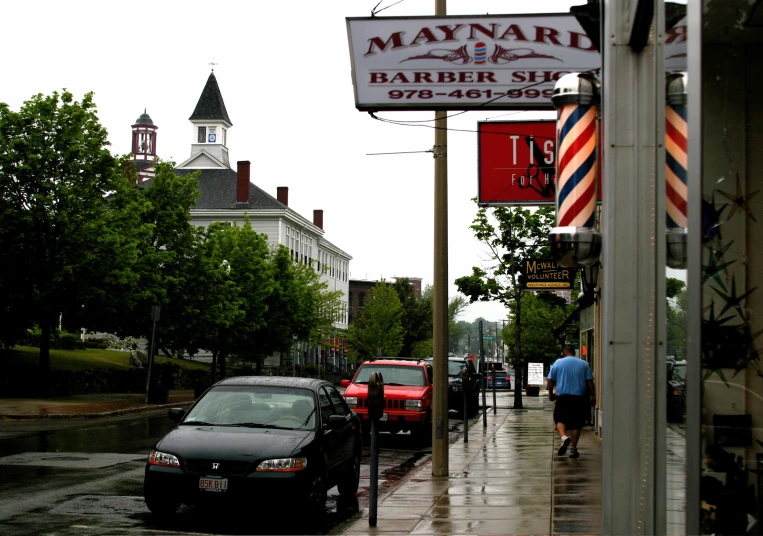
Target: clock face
{"x":212,"y":137}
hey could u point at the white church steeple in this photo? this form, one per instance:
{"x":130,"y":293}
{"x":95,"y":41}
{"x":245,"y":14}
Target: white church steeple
{"x":209,"y":145}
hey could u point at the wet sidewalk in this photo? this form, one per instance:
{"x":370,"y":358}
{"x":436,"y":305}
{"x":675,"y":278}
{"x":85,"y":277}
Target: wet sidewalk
{"x":507,"y":479}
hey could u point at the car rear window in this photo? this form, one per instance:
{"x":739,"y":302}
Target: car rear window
{"x":393,"y":375}
{"x":501,"y":374}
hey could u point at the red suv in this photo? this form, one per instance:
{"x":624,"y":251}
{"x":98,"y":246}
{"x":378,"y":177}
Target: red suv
{"x":407,"y":395}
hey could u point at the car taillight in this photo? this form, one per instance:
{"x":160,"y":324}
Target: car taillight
{"x":489,"y":377}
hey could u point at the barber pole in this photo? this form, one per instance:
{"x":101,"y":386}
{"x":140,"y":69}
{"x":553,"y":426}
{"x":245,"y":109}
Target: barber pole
{"x":574,"y":241}
{"x":676,"y":172}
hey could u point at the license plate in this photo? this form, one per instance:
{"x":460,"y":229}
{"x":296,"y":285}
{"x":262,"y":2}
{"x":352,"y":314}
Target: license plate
{"x":217,"y":485}
{"x":384,"y":417}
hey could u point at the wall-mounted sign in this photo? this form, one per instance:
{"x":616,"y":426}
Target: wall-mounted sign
{"x":517,"y":162}
{"x":545,"y":274}
{"x":502,"y":62}
{"x":212,"y":137}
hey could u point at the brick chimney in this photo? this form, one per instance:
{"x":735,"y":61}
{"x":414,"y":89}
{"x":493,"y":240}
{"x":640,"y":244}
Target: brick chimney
{"x":242,"y":181}
{"x":282,"y":194}
{"x":318,"y":218}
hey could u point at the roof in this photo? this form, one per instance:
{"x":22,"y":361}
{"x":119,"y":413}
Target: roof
{"x":274,"y":381}
{"x":144,"y":119}
{"x":211,"y":105}
{"x":218,"y":191}
{"x":402,"y":361}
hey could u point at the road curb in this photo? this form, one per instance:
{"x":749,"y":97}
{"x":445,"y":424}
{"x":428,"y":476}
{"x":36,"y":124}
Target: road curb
{"x":115,"y":413}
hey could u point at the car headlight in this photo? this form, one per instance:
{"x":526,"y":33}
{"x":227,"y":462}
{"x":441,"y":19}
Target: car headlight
{"x":455,"y":388}
{"x":283,"y":465}
{"x":352,"y":401}
{"x":162,"y":458}
{"x":414,"y":405}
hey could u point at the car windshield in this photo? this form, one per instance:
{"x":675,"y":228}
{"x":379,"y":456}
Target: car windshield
{"x":679,"y":372}
{"x":256,"y":407}
{"x":393,"y":374}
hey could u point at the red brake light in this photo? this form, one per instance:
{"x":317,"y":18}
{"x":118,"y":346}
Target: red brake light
{"x":489,"y":377}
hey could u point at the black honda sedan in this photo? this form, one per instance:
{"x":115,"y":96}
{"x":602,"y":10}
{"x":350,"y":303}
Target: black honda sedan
{"x":257,"y":440}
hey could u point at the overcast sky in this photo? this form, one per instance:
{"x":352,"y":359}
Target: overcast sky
{"x":284,"y":72}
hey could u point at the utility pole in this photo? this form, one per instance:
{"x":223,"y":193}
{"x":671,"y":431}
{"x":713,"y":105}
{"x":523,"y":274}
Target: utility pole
{"x":440,"y":465}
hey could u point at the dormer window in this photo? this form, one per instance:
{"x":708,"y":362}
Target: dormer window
{"x":202,"y":135}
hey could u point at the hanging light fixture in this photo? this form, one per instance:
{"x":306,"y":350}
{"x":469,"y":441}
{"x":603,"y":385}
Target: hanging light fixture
{"x":589,"y":277}
{"x":676,"y":173}
{"x":574,"y":241}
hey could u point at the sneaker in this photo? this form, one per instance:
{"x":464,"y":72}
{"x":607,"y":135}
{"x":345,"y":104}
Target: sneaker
{"x":565,"y":443}
{"x":574,"y":453}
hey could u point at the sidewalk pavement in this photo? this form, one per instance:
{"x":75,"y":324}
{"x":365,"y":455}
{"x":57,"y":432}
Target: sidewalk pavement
{"x":507,"y":479}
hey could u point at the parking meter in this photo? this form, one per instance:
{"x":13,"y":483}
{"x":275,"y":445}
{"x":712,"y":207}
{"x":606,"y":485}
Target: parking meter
{"x":375,"y":404}
{"x":466,"y":388}
{"x":375,"y":396}
{"x":492,"y":375}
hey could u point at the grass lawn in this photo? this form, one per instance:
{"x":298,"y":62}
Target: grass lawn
{"x":21,"y":357}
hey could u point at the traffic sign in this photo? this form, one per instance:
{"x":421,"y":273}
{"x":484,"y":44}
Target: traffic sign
{"x":488,"y":337}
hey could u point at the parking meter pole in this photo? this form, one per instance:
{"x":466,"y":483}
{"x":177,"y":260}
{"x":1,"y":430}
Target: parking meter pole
{"x":375,"y":413}
{"x":466,"y":390}
{"x":374,"y":474}
{"x":492,"y":373}
{"x":483,"y":379}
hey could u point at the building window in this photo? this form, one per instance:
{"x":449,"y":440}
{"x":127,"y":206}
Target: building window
{"x":202,"y":135}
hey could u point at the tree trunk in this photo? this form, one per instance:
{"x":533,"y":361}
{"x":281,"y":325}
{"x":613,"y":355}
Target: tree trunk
{"x":518,"y":356}
{"x":45,"y":330}
{"x":222,"y":366}
{"x":214,"y":364}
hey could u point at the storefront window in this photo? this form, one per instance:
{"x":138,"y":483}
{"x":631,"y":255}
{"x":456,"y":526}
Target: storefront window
{"x":728,"y":270}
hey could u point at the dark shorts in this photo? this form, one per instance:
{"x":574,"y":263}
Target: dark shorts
{"x":572,"y":410}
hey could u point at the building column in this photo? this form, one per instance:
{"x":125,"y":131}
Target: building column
{"x":633,"y":258}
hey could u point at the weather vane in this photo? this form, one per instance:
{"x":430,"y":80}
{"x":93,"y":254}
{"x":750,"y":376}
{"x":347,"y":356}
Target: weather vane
{"x":212,"y":63}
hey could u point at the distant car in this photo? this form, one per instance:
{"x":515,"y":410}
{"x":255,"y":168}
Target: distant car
{"x":407,"y":395}
{"x":501,"y":379}
{"x":676,"y":391}
{"x":456,"y":366}
{"x":249,"y":440}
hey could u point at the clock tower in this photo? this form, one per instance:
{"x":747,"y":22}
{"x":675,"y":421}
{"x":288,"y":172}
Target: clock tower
{"x":209,"y":146}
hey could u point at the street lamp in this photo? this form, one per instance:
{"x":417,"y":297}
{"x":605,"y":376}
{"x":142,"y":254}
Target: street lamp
{"x":589,"y":276}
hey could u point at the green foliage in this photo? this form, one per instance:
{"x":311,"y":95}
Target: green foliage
{"x":416,"y":316}
{"x":422,"y":349}
{"x":675,"y":312}
{"x":57,"y":247}
{"x":542,"y":313}
{"x":379,"y":329}
{"x":510,"y":234}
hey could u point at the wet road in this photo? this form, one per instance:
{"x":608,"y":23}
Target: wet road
{"x":86,"y":477}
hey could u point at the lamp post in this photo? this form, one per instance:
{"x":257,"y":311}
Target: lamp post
{"x":294,"y":361}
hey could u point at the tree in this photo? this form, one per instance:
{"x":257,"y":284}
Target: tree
{"x":542,"y":313}
{"x":59,"y":245}
{"x":416,"y":317}
{"x":675,"y":312}
{"x":510,"y":234}
{"x":379,"y":328}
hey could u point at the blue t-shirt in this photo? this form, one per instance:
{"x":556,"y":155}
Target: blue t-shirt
{"x":570,"y":375}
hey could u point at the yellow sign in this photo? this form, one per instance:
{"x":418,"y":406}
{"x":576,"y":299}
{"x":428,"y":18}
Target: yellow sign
{"x":545,"y":274}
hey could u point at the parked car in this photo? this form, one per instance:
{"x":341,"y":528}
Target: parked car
{"x":501,"y":379}
{"x":250,"y":440}
{"x":407,"y":395}
{"x":455,"y":388}
{"x":676,"y":391}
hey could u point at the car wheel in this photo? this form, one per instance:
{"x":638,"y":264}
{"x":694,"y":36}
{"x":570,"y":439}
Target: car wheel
{"x":422,"y":433}
{"x":161,"y":504}
{"x":317,"y":497}
{"x":350,"y":480}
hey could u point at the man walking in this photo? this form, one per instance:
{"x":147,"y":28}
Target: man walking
{"x":575,"y":393}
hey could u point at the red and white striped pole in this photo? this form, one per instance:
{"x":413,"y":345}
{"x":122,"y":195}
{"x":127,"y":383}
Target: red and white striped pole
{"x":574,"y":241}
{"x":676,"y":169}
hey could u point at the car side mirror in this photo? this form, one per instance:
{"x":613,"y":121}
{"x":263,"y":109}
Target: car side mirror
{"x":345,"y":383}
{"x":176,"y":414}
{"x":336,"y":421}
